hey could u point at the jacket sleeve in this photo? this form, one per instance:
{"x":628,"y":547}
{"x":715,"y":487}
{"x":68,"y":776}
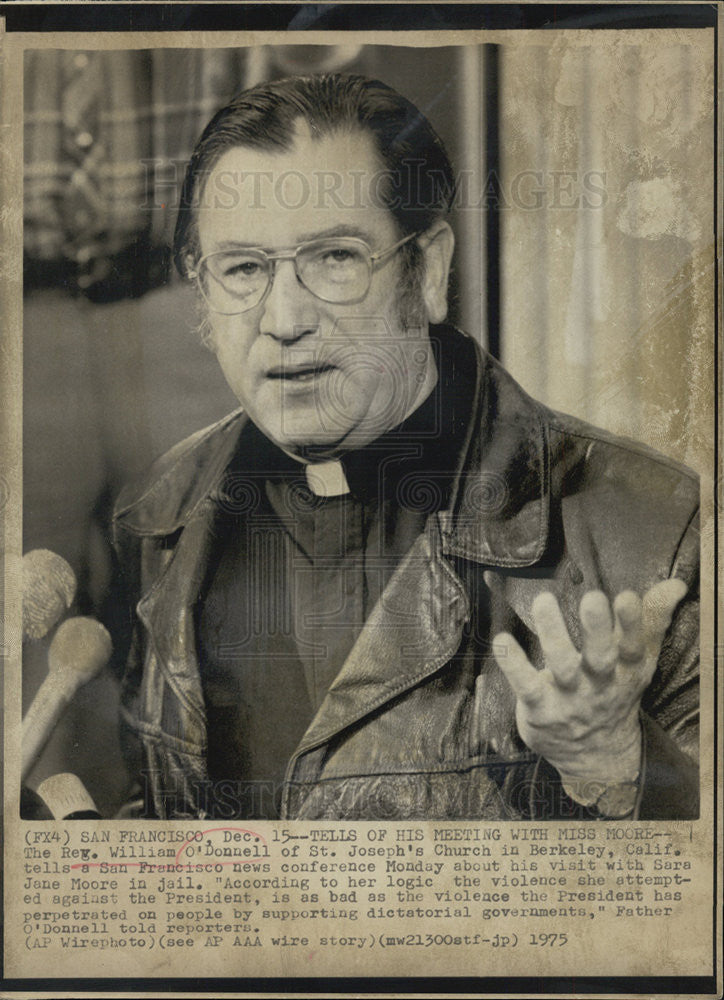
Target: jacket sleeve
{"x":670,"y":707}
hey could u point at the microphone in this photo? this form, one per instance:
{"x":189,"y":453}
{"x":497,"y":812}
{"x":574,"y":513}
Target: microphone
{"x":66,"y":797}
{"x":48,"y":591}
{"x":80,"y":649}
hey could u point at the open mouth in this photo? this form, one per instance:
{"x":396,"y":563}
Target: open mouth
{"x":299,"y":373}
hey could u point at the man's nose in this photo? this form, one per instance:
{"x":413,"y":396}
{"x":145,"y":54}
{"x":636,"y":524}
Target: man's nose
{"x":289,"y":311}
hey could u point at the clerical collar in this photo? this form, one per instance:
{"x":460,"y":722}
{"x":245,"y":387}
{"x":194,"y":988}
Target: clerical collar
{"x":326,"y":479}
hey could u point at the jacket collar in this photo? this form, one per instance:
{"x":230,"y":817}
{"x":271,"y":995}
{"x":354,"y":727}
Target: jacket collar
{"x":165,"y":499}
{"x":499,"y":509}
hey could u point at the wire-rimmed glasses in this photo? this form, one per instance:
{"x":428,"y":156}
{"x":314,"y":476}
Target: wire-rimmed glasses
{"x":334,"y":269}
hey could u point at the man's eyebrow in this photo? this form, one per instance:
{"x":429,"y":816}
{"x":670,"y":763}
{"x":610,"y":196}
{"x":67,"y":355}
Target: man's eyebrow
{"x":343,"y":229}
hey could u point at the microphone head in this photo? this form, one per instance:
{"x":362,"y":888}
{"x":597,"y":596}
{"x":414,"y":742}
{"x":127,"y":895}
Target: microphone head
{"x":48,"y":591}
{"x":80,"y":649}
{"x":64,"y":795}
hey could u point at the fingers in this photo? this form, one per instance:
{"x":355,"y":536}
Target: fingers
{"x":599,"y":645}
{"x":658,"y":609}
{"x":628,"y":609}
{"x":632,"y":634}
{"x":561,"y":656}
{"x":520,"y":673}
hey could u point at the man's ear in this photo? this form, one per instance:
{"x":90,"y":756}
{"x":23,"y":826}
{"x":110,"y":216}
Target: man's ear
{"x":437,"y":245}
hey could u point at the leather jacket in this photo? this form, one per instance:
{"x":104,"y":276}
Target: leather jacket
{"x":420,"y":722}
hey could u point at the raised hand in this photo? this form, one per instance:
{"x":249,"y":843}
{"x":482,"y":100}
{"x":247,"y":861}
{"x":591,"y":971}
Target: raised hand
{"x":581,"y":712}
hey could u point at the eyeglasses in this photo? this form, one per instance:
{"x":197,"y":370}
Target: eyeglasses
{"x":337,"y":270}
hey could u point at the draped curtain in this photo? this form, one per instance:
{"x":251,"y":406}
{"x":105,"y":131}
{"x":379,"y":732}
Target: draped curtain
{"x":607,"y":254}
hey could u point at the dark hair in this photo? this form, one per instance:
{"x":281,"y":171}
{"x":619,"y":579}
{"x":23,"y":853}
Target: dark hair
{"x":418,"y":188}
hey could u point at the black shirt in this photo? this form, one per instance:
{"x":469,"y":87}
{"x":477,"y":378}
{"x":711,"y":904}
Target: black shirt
{"x":294,"y":577}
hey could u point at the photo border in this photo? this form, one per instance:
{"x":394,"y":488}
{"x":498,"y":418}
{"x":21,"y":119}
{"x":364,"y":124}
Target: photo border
{"x":164,"y":17}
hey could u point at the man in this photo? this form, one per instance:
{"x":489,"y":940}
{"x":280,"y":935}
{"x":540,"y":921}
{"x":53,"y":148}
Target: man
{"x":392,"y":585}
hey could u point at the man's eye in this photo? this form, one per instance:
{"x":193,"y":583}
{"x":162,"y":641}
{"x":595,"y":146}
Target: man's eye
{"x":242,"y":269}
{"x":339,"y":257}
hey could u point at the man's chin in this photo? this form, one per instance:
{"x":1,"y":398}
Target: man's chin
{"x":323,"y":443}
{"x":311,"y":444}
{"x":313,"y":439}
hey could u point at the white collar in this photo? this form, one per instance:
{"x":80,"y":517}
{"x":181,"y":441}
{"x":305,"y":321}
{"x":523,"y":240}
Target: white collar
{"x":326,"y":479}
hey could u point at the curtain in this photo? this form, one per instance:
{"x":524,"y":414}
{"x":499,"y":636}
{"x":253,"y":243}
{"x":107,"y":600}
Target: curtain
{"x":607,"y":253}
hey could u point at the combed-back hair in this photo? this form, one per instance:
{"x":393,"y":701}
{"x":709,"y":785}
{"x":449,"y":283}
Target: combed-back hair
{"x":418,"y":184}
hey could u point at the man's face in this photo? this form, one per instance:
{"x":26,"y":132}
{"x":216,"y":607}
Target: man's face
{"x":317,"y":378}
